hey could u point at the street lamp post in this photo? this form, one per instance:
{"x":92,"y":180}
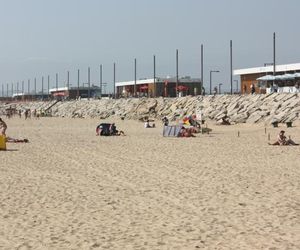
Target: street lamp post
{"x":210,"y":73}
{"x":220,"y":84}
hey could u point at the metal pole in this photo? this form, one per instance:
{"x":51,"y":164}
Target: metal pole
{"x":68,"y":83}
{"x":89,"y":83}
{"x":35,"y":85}
{"x":2,"y":93}
{"x":201,"y":84}
{"x":23,"y":87}
{"x":210,"y":82}
{"x":274,"y":56}
{"x":56,"y":81}
{"x":100,"y":81}
{"x":231,"y":67}
{"x":154,"y":76}
{"x":42,"y":88}
{"x":17,"y":88}
{"x":7,"y":90}
{"x":114,"y":80}
{"x":176,"y":72}
{"x":48,"y":86}
{"x":28,"y":86}
{"x":12,"y":89}
{"x":134,"y":77}
{"x":78,"y":72}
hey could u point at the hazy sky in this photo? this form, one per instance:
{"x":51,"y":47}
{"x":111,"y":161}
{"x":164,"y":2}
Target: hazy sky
{"x":44,"y":37}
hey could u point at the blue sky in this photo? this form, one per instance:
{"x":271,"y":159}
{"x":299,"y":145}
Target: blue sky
{"x":44,"y":37}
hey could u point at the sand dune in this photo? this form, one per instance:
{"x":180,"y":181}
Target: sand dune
{"x":68,"y":189}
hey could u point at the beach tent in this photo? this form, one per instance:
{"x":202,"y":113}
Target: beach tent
{"x":172,"y":131}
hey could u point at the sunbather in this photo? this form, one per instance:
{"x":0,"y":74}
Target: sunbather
{"x":282,"y":140}
{"x":9,"y":139}
{"x":186,"y":132}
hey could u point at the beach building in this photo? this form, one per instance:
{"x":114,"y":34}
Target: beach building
{"x":286,"y":79}
{"x":75,"y":92}
{"x":29,"y":96}
{"x":165,"y":87}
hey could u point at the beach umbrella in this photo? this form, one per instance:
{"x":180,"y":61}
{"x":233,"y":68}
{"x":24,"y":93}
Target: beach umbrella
{"x":285,"y":77}
{"x":266,"y":78}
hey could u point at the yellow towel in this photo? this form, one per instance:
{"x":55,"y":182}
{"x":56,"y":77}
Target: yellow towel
{"x":2,"y":142}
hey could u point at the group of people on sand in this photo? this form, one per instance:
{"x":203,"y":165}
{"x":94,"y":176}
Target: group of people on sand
{"x":108,"y":129}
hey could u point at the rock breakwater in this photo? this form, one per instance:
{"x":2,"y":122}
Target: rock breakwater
{"x":234,"y":108}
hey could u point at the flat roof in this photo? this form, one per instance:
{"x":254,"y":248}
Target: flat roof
{"x":158,"y":79}
{"x":279,"y":68}
{"x":72,"y":88}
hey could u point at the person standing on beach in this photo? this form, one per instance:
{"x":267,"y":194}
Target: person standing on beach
{"x":252,"y":89}
{"x":3,"y":127}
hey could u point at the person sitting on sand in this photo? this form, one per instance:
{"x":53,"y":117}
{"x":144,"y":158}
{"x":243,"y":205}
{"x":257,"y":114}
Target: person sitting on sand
{"x":3,"y":127}
{"x":281,"y":140}
{"x":165,"y":121}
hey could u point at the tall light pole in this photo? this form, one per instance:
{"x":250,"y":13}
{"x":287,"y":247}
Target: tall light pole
{"x":114,"y":80}
{"x":78,"y":79}
{"x":28,"y":86}
{"x":56,"y":79}
{"x":231,"y":67}
{"x":274,"y":56}
{"x":35,"y":87}
{"x":100,"y":81}
{"x":210,"y":78}
{"x":42,"y":88}
{"x":201,"y":84}
{"x":89,"y":83}
{"x":134,"y":77}
{"x":154,"y":76}
{"x":48,"y":85}
{"x":177,"y":73}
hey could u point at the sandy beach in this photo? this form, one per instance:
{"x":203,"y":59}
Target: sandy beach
{"x":68,"y":189}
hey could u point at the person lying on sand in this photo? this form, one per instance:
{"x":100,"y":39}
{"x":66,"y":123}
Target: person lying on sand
{"x":281,"y":140}
{"x":186,"y":132}
{"x":9,"y":139}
